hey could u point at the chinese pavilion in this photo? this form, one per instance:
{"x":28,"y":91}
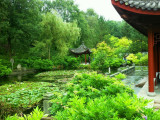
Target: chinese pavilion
{"x":144,"y":15}
{"x":82,"y":49}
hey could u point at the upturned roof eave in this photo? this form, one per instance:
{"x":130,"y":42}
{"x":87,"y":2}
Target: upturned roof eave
{"x":137,"y":18}
{"x":121,"y":4}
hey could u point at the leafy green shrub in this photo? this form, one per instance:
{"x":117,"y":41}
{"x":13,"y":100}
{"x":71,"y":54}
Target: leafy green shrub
{"x":121,"y":107}
{"x":104,"y":57}
{"x":25,"y":62}
{"x":139,"y":55}
{"x":6,"y":63}
{"x":4,"y":70}
{"x":94,"y":109}
{"x":67,"y":62}
{"x":73,"y":63}
{"x":144,"y":60}
{"x":44,"y":64}
{"x":37,"y":114}
{"x":115,"y":62}
{"x":151,"y":114}
{"x":38,"y":64}
{"x":129,"y":62}
{"x":132,"y":58}
{"x":120,"y":76}
{"x":138,"y":59}
{"x":82,"y":66}
{"x":100,"y":62}
{"x":102,"y":52}
{"x":87,"y":95}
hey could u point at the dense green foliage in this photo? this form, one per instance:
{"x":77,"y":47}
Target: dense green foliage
{"x":139,"y":59}
{"x":38,"y":34}
{"x":31,"y":31}
{"x":4,"y":70}
{"x":105,"y":56}
{"x":18,"y":96}
{"x":120,"y":76}
{"x":40,"y":29}
{"x":93,"y":96}
{"x":35,"y":63}
{"x":67,"y":62}
{"x":37,"y":114}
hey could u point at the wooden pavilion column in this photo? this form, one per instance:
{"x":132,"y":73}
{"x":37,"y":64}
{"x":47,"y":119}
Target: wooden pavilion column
{"x":151,"y":63}
{"x":155,"y":63}
{"x":159,"y":60}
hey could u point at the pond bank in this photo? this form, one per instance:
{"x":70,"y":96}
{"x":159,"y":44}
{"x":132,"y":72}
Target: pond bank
{"x":134,"y":78}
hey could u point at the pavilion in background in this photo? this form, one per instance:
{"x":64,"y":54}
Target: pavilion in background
{"x":82,"y":49}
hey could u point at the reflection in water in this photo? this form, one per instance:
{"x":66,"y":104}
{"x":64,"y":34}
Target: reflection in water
{"x":133,"y":79}
{"x":17,"y":78}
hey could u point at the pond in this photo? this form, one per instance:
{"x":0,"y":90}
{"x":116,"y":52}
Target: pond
{"x":133,"y":79}
{"x":24,"y":91}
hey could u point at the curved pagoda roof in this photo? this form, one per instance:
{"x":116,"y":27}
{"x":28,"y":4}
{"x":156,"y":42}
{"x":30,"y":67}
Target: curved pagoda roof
{"x":142,"y":4}
{"x":143,"y":15}
{"x":82,"y":49}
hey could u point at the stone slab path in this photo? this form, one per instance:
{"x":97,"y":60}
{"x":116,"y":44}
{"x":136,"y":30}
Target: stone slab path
{"x":155,"y":100}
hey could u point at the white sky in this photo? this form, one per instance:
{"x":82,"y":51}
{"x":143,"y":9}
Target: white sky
{"x":101,"y":7}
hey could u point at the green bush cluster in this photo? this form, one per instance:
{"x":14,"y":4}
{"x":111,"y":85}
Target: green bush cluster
{"x":82,"y":66}
{"x":138,"y":59}
{"x":67,"y":62}
{"x":37,"y":114}
{"x":102,"y":63}
{"x":120,"y":76}
{"x":44,"y":64}
{"x":38,"y":64}
{"x":4,"y":70}
{"x":95,"y":97}
{"x":105,"y":57}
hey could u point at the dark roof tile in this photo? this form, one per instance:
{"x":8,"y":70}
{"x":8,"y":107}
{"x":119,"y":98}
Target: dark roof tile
{"x":142,"y":4}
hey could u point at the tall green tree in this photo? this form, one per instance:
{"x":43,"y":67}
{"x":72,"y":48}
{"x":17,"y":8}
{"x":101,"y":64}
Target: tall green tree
{"x":4,"y":25}
{"x":22,"y":29}
{"x":139,"y":41}
{"x":67,"y":9}
{"x":56,"y":37}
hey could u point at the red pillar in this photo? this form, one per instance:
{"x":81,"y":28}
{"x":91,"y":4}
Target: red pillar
{"x":150,"y":61}
{"x":155,"y":62}
{"x":159,"y":58}
{"x":85,"y":59}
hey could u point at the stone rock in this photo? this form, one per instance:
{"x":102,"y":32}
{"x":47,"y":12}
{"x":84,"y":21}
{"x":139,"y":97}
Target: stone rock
{"x":119,"y":70}
{"x":157,"y":101}
{"x":19,"y":67}
{"x":141,"y":83}
{"x":47,"y":118}
{"x":157,"y":106}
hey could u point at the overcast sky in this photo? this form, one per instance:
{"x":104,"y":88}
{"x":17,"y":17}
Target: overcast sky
{"x":101,"y":7}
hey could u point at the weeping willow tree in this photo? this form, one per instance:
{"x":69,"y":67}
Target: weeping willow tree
{"x":57,"y":36}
